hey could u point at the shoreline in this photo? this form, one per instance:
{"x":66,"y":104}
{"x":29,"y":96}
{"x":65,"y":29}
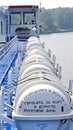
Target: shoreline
{"x":63,"y":31}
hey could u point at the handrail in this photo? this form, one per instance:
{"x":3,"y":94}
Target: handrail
{"x":7,"y":47}
{"x":10,"y":50}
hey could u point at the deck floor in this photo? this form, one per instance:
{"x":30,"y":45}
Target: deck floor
{"x":7,"y":62}
{"x":4,"y":82}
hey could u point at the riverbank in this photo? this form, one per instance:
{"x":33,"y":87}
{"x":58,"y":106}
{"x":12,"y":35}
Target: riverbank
{"x":60,"y":31}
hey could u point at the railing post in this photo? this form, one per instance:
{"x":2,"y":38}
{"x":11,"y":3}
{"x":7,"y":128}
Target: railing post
{"x":9,"y":92}
{"x":54,"y":60}
{"x":17,"y":68}
{"x":59,"y":70}
{"x":49,"y":52}
{"x":19,"y":59}
{"x":2,"y":106}
{"x":70,"y":89}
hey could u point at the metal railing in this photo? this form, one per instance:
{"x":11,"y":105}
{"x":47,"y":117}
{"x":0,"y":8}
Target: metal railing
{"x":7,"y":55}
{"x":7,"y":47}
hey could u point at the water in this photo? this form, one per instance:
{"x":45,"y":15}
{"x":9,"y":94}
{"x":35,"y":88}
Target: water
{"x":61,"y":44}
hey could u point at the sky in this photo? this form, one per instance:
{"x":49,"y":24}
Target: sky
{"x":44,"y":3}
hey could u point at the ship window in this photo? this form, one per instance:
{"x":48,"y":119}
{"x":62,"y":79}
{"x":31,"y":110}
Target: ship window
{"x":29,"y":17}
{"x":15,"y":18}
{"x":1,"y":27}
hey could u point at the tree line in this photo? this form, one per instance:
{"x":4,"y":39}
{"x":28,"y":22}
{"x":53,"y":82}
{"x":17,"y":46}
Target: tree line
{"x":56,"y":20}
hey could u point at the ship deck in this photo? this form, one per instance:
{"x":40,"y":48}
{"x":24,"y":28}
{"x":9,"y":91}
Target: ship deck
{"x":7,"y":62}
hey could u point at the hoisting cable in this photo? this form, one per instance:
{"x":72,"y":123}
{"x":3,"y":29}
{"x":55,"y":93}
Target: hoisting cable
{"x":22,"y":81}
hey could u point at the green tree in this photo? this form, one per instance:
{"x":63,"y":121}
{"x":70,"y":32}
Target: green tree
{"x":54,"y":20}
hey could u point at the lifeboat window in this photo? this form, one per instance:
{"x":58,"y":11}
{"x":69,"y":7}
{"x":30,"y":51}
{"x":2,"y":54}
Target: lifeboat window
{"x":28,"y":17}
{"x":15,"y":18}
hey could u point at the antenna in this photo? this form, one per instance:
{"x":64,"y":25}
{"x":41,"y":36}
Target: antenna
{"x":40,"y":5}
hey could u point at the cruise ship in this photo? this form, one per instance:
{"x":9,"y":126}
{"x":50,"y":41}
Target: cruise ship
{"x":32,"y":96}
